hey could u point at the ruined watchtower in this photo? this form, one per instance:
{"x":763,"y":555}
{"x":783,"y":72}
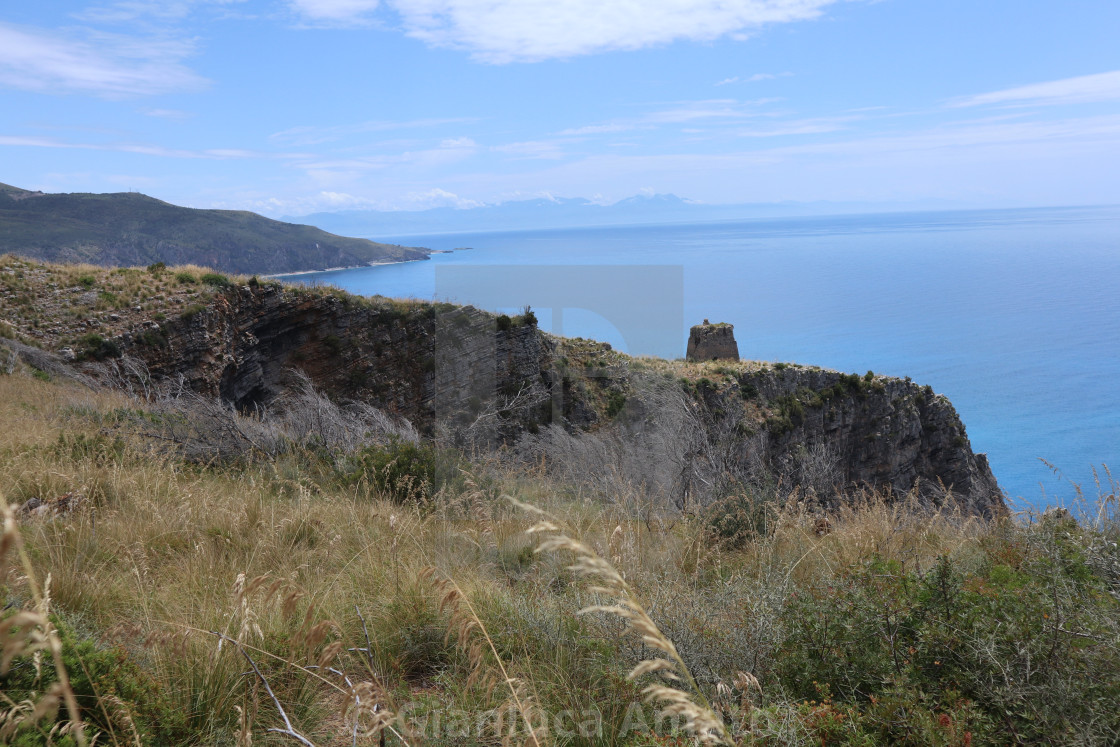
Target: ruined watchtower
{"x":712,"y":342}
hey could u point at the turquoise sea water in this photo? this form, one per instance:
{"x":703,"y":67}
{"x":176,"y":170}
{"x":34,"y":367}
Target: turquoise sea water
{"x":1013,"y":314}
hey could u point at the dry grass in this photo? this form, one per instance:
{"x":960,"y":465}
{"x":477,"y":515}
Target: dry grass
{"x":327,"y":590}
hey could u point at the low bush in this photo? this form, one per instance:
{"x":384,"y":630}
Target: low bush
{"x":403,"y":471}
{"x":216,"y":280}
{"x":116,"y":697}
{"x":92,"y":346}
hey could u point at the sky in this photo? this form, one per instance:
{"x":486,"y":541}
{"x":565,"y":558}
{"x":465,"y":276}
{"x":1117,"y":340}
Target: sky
{"x":288,"y":107}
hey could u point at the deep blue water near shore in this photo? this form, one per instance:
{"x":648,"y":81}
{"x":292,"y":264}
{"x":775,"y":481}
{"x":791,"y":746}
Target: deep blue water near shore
{"x":1013,"y":314}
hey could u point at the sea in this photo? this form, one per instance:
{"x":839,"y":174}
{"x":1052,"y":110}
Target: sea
{"x":1013,"y":314}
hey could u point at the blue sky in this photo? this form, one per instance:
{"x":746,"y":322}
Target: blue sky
{"x":292,"y":106}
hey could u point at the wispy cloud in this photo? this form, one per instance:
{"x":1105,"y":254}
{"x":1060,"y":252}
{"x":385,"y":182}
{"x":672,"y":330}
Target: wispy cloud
{"x":753,"y":78}
{"x":596,"y":130}
{"x":543,"y":149}
{"x":1084,"y":89}
{"x":437,"y":197}
{"x":176,"y":114}
{"x":718,"y":109}
{"x":335,"y":12}
{"x":109,"y":65}
{"x":146,"y":149}
{"x":312,"y":135}
{"x":503,"y":31}
{"x":801,"y":127}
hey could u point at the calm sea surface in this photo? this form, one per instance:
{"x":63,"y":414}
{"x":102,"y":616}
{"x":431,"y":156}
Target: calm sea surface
{"x":1013,"y":314}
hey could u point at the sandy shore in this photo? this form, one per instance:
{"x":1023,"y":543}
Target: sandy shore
{"x":350,"y":267}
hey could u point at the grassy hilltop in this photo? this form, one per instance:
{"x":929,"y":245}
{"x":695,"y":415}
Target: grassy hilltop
{"x":319,"y":573}
{"x":129,"y":228}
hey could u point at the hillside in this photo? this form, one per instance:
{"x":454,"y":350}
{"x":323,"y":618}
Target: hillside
{"x":127,"y":229}
{"x":264,"y":514}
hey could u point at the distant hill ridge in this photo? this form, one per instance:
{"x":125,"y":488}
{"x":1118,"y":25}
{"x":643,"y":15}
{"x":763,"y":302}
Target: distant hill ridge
{"x":577,"y":212}
{"x":129,"y":228}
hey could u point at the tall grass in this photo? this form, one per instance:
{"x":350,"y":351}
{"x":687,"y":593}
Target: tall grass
{"x":888,"y":623}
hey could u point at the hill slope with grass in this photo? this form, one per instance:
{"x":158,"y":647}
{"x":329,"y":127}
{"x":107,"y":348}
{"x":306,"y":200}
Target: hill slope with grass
{"x":317,"y":573}
{"x":129,"y":228}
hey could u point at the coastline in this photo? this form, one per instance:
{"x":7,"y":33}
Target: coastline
{"x":349,"y":267}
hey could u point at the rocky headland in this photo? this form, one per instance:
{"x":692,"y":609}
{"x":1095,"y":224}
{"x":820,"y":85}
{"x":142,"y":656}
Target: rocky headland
{"x":452,"y":370}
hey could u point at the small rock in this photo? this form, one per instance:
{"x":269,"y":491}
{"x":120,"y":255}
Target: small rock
{"x":114,"y":317}
{"x":29,"y":505}
{"x":67,"y":354}
{"x":1056,"y":514}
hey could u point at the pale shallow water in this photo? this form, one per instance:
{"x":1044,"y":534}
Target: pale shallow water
{"x":1013,"y":314}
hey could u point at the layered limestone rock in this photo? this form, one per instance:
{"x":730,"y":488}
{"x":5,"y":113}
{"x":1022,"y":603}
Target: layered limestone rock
{"x":246,"y":343}
{"x":874,"y":431}
{"x":712,"y":342}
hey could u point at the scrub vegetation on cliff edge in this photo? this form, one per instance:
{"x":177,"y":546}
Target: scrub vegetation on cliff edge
{"x":335,"y":586}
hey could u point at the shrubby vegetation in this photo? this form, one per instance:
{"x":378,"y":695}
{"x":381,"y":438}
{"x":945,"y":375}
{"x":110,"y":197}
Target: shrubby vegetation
{"x":229,"y":576}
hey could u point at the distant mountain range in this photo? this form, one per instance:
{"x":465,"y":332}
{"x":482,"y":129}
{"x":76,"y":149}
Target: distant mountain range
{"x":573,"y":212}
{"x":129,"y":228}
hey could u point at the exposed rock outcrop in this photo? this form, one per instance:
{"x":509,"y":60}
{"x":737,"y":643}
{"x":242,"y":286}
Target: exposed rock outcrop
{"x":872,"y":430}
{"x":447,"y":367}
{"x":712,"y":342}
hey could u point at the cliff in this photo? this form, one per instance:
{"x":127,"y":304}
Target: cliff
{"x":471,"y":377}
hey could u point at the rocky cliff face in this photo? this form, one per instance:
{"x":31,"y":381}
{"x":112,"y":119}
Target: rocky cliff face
{"x":244,"y":345}
{"x":450,"y":368}
{"x":869,"y":430}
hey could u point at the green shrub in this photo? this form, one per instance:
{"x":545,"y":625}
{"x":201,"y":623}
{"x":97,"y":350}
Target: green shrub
{"x":98,"y":448}
{"x":93,"y":346}
{"x":185,"y":278}
{"x":1018,"y":641}
{"x":504,"y":322}
{"x":216,"y":280}
{"x":154,"y":338}
{"x":737,"y":519}
{"x":157,"y":268}
{"x":193,"y":310}
{"x":110,"y":689}
{"x":527,"y":318}
{"x":615,"y":404}
{"x":86,"y":281}
{"x":333,"y":344}
{"x":403,"y":471}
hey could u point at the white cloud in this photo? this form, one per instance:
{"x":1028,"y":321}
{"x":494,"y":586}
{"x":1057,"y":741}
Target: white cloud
{"x":801,"y":127}
{"x":753,"y":78}
{"x":1081,"y":90}
{"x":437,"y":197}
{"x":109,"y":65}
{"x":335,"y":11}
{"x":146,"y":149}
{"x":691,"y":111}
{"x":310,"y":135}
{"x":546,"y":149}
{"x":502,"y":31}
{"x":596,"y":129}
{"x":177,"y":114}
